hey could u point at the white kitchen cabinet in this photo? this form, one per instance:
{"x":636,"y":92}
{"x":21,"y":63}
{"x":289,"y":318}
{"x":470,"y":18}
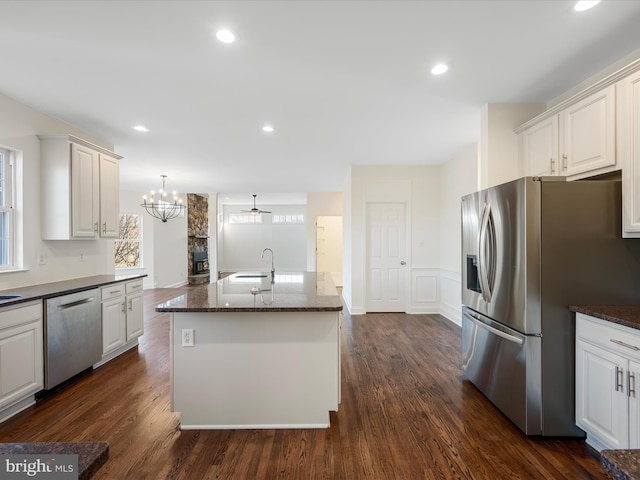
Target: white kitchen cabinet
{"x":607,"y":380}
{"x":114,"y":318}
{"x":122,"y":318}
{"x":577,"y":141}
{"x":21,"y":356}
{"x":629,"y":152}
{"x":80,"y":189}
{"x":135,"y":314}
{"x":539,"y":148}
{"x":588,"y":134}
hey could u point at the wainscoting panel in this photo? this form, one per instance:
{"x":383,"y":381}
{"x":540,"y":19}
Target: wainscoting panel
{"x":425,"y":291}
{"x":451,"y":295}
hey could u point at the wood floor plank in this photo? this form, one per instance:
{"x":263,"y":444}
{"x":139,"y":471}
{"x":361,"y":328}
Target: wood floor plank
{"x":406,"y":414}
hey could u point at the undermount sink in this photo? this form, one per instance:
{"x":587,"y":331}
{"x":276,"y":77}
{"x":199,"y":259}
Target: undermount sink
{"x":252,"y":275}
{"x":8,"y":297}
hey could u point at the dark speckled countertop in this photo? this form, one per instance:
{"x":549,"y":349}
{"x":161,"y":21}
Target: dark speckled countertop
{"x":91,"y":455}
{"x":627,"y":315}
{"x":256,"y":292}
{"x":64,"y":287}
{"x":620,"y":464}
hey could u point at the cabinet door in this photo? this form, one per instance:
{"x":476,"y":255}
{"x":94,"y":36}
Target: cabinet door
{"x":84,"y":190}
{"x":109,"y":197}
{"x":113,"y":324}
{"x":633,"y":393}
{"x":601,"y":398}
{"x":21,"y":362}
{"x":539,"y":148}
{"x":588,"y":134}
{"x":629,"y":152}
{"x":135,"y":320}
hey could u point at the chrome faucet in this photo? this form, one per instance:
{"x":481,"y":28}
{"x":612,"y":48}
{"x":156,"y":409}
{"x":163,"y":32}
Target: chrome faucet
{"x":273,"y":270}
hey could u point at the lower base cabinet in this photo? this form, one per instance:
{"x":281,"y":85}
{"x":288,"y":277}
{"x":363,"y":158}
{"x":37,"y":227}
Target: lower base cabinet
{"x":607,"y":383}
{"x":21,"y":356}
{"x":122,"y":318}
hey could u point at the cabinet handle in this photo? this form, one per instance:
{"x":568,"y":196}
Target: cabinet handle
{"x":553,"y":165}
{"x":130,"y":305}
{"x":95,"y":227}
{"x":564,"y":162}
{"x":623,"y":344}
{"x":125,"y":311}
{"x":631,"y":384}
{"x":104,"y":227}
{"x":619,"y":385}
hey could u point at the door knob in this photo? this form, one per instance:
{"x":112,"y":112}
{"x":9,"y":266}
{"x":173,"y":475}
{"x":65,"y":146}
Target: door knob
{"x":403,"y":262}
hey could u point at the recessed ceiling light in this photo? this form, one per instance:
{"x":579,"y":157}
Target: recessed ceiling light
{"x":267,"y":128}
{"x":583,"y":5}
{"x":225,"y":36}
{"x":439,"y":69}
{"x":140,"y":128}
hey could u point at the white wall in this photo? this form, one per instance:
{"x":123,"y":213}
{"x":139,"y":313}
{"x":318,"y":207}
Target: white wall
{"x":418,"y":187}
{"x":164,"y":245}
{"x":499,"y":143}
{"x":19,"y":127}
{"x":240,"y":245}
{"x":319,"y":204}
{"x":170,"y":252}
{"x":458,"y":177}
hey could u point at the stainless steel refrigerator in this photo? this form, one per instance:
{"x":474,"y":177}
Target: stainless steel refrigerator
{"x":530,"y":249}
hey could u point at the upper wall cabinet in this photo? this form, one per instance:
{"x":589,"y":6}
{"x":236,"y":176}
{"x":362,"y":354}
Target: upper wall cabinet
{"x":576,"y":142}
{"x":538,"y":146}
{"x":629,"y":152}
{"x":79,"y":184}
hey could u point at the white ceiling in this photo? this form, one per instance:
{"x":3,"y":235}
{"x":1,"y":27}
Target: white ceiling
{"x":343,"y":82}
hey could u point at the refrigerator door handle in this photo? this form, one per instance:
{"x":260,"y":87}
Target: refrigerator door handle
{"x":495,"y":331}
{"x":485,"y":249}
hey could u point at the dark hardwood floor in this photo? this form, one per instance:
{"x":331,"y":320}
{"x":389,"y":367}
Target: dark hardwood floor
{"x":405,"y":414}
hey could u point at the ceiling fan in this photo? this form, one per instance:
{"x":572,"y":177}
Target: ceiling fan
{"x":254,"y":210}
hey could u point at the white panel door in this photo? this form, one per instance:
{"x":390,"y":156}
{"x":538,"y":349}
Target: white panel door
{"x":386,"y":257}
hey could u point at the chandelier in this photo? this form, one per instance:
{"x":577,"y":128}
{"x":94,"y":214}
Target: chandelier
{"x":161,"y":208}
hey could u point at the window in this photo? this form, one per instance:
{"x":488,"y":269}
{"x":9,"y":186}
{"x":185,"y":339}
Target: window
{"x":7,"y":232}
{"x":297,"y":218}
{"x":244,"y":218}
{"x":128,"y":249}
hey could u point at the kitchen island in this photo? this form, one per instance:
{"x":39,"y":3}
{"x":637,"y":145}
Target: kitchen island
{"x":256,"y":350}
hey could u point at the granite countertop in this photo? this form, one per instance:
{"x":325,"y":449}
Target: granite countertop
{"x":91,"y":455}
{"x":256,"y":292}
{"x":621,"y":464}
{"x":627,"y":315}
{"x":64,"y":287}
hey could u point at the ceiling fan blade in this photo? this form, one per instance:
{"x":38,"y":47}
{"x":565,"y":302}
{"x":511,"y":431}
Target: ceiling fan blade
{"x":265,"y":211}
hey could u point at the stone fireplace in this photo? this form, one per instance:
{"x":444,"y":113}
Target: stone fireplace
{"x":198,"y":238}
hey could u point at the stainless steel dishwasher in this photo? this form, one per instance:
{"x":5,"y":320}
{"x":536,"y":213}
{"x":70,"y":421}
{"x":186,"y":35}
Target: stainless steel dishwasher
{"x":73,"y":335}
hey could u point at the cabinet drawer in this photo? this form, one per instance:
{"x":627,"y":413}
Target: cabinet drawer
{"x":133,"y":287}
{"x":609,"y":335}
{"x":112,"y":291}
{"x":19,"y":314}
